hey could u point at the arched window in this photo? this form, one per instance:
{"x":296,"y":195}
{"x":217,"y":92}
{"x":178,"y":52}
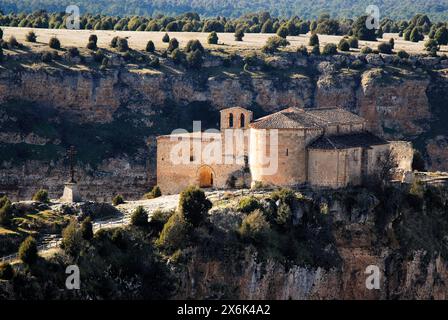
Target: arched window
{"x":242,"y":121}
{"x":231,"y":120}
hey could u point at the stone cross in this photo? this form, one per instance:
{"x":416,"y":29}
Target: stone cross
{"x":71,"y":153}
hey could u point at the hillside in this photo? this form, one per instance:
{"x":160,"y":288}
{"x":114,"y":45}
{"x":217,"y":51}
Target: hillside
{"x":435,"y":9}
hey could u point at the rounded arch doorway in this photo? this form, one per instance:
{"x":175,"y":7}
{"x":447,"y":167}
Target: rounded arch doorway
{"x":205,"y":177}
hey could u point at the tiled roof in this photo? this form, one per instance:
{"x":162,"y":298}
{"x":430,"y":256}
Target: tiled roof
{"x":354,"y":140}
{"x":295,"y":118}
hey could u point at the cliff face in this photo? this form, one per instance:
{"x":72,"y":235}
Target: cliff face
{"x":146,"y":103}
{"x":364,"y":233}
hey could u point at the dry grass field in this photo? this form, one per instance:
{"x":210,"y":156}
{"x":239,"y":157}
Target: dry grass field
{"x":138,"y":39}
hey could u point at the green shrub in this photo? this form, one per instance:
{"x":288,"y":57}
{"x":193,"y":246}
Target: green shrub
{"x":194,"y":59}
{"x":316,"y":50}
{"x":28,"y":251}
{"x":118,"y":199}
{"x":402,"y":54}
{"x":158,"y":219}
{"x":6,"y":271}
{"x":139,"y":217}
{"x":122,"y":45}
{"x":41,"y":196}
{"x":273,"y":43}
{"x":194,"y":205}
{"x":150,"y":47}
{"x":92,"y":45}
{"x":282,"y":32}
{"x":5,"y":212}
{"x":314,"y":40}
{"x":392,"y":42}
{"x":166,"y":38}
{"x":114,"y":42}
{"x":72,"y":239}
{"x":173,"y":45}
{"x":154,"y":63}
{"x":255,"y":228}
{"x":177,"y":56}
{"x":302,"y":50}
{"x":87,"y":229}
{"x":12,"y":42}
{"x":343,"y":45}
{"x":47,"y":57}
{"x":73,"y":51}
{"x":416,"y":35}
{"x":154,"y":193}
{"x":384,"y":47}
{"x":366,"y":50}
{"x":93,"y":38}
{"x":329,"y":49}
{"x":174,"y":233}
{"x":248,"y":204}
{"x":239,"y":35}
{"x":353,"y":42}
{"x":54,"y":43}
{"x":212,"y":38}
{"x":31,"y":36}
{"x":441,"y":36}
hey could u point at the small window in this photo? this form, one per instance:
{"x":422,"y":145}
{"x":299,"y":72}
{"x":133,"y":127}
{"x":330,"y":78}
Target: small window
{"x":242,"y":121}
{"x":287,"y":152}
{"x":191,"y":158}
{"x":231,"y":120}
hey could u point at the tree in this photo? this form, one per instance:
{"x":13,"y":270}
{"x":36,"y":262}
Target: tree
{"x":194,"y":59}
{"x":31,"y":36}
{"x":239,"y":35}
{"x":177,"y":56}
{"x":316,"y":50}
{"x":41,"y":196}
{"x":6,"y":271}
{"x":402,"y":54}
{"x":174,"y":233}
{"x":166,"y":38}
{"x":5,"y":212}
{"x":282,"y":31}
{"x":255,"y":228}
{"x":273,"y":43}
{"x":28,"y":251}
{"x":212,"y":38}
{"x":54,"y":43}
{"x":343,"y":45}
{"x":72,"y":239}
{"x":12,"y":42}
{"x":267,"y":27}
{"x":113,"y":42}
{"x":91,"y":45}
{"x":431,"y":45}
{"x":122,"y":45}
{"x":361,"y":31}
{"x":248,"y":204}
{"x":194,"y":205}
{"x":93,"y":38}
{"x":118,"y":199}
{"x":150,"y":47}
{"x":366,"y":50}
{"x":329,"y":49}
{"x":172,"y":45}
{"x":441,"y":36}
{"x":139,"y":217}
{"x":193,"y":45}
{"x":87,"y":229}
{"x":418,"y":163}
{"x":384,"y":47}
{"x":416,"y":35}
{"x":314,"y":40}
{"x":392,"y":43}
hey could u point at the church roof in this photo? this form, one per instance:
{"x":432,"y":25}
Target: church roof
{"x":346,"y":141}
{"x":295,"y":118}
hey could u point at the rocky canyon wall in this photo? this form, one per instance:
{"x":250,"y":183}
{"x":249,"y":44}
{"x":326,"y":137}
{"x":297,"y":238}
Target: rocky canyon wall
{"x":128,"y":107}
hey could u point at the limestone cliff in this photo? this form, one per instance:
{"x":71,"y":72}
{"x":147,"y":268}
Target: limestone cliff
{"x":113,"y":115}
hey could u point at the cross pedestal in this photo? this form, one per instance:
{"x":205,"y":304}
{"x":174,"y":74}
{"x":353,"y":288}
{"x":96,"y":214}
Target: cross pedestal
{"x":71,"y":193}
